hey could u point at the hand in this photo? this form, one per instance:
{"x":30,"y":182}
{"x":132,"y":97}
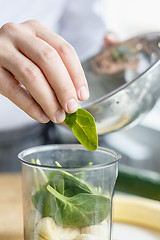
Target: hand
{"x":110,"y":39}
{"x":40,"y":72}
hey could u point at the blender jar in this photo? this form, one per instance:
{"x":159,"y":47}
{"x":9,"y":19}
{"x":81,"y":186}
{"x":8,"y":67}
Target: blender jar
{"x":67,"y":192}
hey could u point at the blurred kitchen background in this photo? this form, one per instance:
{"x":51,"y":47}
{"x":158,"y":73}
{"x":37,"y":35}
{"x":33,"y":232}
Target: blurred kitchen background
{"x":140,"y":146}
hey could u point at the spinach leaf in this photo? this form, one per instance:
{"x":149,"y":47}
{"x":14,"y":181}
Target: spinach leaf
{"x":80,"y":210}
{"x":84,"y":128}
{"x":44,"y":202}
{"x":57,"y":182}
{"x":69,"y":200}
{"x":72,"y":191}
{"x":82,"y":176}
{"x":71,"y":181}
{"x":62,"y":182}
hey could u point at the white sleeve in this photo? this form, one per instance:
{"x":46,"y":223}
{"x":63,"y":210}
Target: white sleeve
{"x":48,"y":12}
{"x":82,"y":25}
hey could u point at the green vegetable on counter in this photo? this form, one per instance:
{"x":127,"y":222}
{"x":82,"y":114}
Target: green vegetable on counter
{"x":140,"y":182}
{"x":83,"y":126}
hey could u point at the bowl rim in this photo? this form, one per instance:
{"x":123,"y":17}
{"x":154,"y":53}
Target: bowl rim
{"x":124,"y":86}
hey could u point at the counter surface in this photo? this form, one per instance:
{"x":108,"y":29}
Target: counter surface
{"x":11,"y":217}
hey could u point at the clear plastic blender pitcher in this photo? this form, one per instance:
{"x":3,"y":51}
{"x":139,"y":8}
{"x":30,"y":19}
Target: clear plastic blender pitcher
{"x":67,"y":192}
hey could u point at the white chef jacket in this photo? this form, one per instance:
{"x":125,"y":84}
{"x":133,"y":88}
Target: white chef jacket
{"x":78,"y":21}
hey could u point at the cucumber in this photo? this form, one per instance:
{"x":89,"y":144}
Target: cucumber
{"x":139,"y":182}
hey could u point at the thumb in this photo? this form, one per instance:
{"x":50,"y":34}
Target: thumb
{"x":110,"y":39}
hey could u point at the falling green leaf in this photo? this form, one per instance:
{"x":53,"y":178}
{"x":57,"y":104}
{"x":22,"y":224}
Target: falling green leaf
{"x":83,"y":126}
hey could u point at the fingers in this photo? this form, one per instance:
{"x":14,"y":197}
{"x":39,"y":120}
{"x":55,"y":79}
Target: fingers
{"x":33,"y":79}
{"x":111,"y":39}
{"x":46,"y":65}
{"x":18,"y":95}
{"x":48,"y":60}
{"x":68,"y":56}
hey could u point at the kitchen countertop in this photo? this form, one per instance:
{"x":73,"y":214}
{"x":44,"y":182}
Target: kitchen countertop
{"x":127,"y":209}
{"x":11,"y":217}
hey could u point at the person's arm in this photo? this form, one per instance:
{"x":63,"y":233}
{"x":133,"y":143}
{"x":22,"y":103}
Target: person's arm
{"x":40,"y":72}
